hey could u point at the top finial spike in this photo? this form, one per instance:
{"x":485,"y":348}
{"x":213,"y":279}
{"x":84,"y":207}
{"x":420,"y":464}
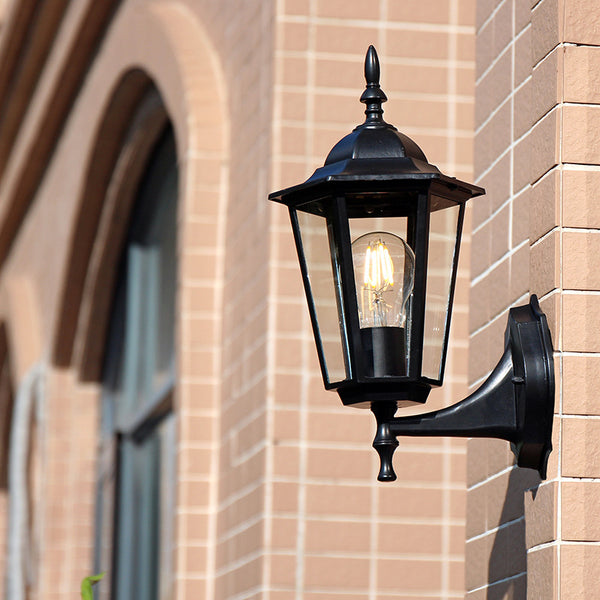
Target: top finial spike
{"x":372,"y":67}
{"x":373,"y":96}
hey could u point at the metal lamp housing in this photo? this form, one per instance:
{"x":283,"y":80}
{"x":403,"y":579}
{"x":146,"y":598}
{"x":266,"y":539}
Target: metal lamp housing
{"x":377,"y":179}
{"x":382,"y":335}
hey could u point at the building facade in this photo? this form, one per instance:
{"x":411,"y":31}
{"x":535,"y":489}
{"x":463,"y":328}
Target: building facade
{"x":162,"y":416}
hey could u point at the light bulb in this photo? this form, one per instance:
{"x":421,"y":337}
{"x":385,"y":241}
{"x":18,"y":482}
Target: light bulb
{"x":384,"y":271}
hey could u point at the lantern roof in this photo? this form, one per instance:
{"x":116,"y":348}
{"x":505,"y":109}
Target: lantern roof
{"x":375,"y":153}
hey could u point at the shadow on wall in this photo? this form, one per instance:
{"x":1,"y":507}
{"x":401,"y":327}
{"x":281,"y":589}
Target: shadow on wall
{"x":507,"y":567}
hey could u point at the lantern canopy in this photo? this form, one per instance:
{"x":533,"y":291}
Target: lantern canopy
{"x":378,"y":230}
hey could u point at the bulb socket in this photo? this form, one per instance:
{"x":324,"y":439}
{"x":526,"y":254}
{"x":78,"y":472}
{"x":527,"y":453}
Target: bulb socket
{"x":385,"y":351}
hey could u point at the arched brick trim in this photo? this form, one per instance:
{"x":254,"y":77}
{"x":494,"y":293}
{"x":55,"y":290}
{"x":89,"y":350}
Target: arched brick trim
{"x":147,"y":124}
{"x":132,"y":123}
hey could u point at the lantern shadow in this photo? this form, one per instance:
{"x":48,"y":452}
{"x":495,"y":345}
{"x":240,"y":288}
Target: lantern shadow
{"x":507,"y":567}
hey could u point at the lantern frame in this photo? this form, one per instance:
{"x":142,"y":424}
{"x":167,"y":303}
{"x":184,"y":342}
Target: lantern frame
{"x":384,"y":173}
{"x":377,"y":172}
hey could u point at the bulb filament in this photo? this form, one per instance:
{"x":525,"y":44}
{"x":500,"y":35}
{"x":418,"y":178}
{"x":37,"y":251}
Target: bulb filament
{"x":379,"y":278}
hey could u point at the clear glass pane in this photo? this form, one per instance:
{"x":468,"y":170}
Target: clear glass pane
{"x":326,"y":295}
{"x":384,"y":279}
{"x":440,"y":261}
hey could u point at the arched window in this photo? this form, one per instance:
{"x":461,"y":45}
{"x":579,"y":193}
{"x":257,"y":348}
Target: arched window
{"x":137,"y":474}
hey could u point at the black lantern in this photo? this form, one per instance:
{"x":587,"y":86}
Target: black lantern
{"x":378,"y":230}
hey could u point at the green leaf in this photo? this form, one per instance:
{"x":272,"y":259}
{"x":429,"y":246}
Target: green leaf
{"x":87,"y":583}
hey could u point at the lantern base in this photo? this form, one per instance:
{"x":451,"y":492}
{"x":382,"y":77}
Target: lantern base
{"x":370,"y":393}
{"x":385,"y":351}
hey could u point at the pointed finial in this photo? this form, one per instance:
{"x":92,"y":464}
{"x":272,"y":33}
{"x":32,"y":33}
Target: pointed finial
{"x":372,"y":67}
{"x":373,"y":96}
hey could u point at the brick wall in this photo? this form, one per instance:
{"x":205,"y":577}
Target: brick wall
{"x":276,"y":483}
{"x":536,"y":118}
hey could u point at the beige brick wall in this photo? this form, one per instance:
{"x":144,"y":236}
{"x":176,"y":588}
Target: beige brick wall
{"x":276,"y":480}
{"x":536,"y":232}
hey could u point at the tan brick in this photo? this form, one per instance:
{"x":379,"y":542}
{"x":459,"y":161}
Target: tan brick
{"x":580,"y":208}
{"x":523,"y":57}
{"x":551,"y":307}
{"x":580,"y":66}
{"x":580,"y":134}
{"x":413,"y":44}
{"x":416,"y":79}
{"x":347,"y":10}
{"x":544,"y":205}
{"x":493,"y":139}
{"x":415,"y":575}
{"x":581,"y":447}
{"x":508,"y":555}
{"x":580,"y":260}
{"x":523,"y":109}
{"x":414,"y":467}
{"x":411,"y":539}
{"x":327,"y":572}
{"x":285,"y":497}
{"x":296,"y":7}
{"x":435,"y":12}
{"x":344,"y":425}
{"x":410,"y":503}
{"x":338,"y":500}
{"x":497,"y":185}
{"x":520,"y":273}
{"x":483,"y":508}
{"x":337,"y":536}
{"x":580,"y":518}
{"x":500,"y":234}
{"x":493,"y":89}
{"x":541,"y":514}
{"x":579,"y":27}
{"x":579,"y":571}
{"x":293,"y":141}
{"x":465,"y":44}
{"x":283,"y":569}
{"x":481,"y":244}
{"x":580,"y":376}
{"x":344,"y":464}
{"x":546,"y":27}
{"x":345,"y":39}
{"x":483,"y":12}
{"x":547,"y":80}
{"x":544,"y":264}
{"x":500,"y":287}
{"x":485,"y":457}
{"x":522,"y":157}
{"x":542,"y":573}
{"x":580,"y":322}
{"x":293,"y":36}
{"x":486,"y":348}
{"x":294,"y":70}
{"x":480,"y":313}
{"x":477,"y":558}
{"x":522,"y":16}
{"x":545,"y":144}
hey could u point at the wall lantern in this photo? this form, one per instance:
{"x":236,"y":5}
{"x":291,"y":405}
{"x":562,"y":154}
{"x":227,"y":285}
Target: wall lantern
{"x":378,"y":230}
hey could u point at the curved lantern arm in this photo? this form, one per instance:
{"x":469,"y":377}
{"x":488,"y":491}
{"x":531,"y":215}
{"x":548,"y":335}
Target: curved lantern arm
{"x":515,"y":403}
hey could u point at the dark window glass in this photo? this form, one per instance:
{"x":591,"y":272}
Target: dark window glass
{"x":137,"y":461}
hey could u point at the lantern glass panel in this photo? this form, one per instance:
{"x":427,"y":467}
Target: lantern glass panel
{"x":443,"y":251}
{"x":323,"y":289}
{"x":383,"y":264}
